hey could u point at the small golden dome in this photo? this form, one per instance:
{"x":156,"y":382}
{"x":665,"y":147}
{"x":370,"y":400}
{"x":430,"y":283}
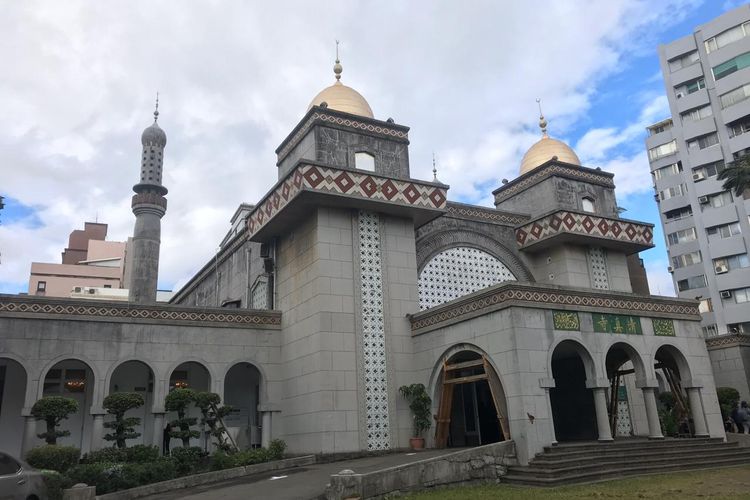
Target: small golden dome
{"x":545,"y":149}
{"x":342,"y":98}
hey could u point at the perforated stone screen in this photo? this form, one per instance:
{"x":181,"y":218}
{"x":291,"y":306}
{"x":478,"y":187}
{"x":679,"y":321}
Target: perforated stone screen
{"x":457,"y":272}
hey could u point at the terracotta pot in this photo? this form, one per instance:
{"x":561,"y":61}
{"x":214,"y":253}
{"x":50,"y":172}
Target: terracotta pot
{"x":416,"y":443}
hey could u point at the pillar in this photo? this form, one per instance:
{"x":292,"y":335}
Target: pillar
{"x":602,"y":418}
{"x":265,"y":436}
{"x":30,"y":438}
{"x":547,"y":384}
{"x":696,"y":409}
{"x":157,"y":438}
{"x":97,"y":432}
{"x":652,"y":414}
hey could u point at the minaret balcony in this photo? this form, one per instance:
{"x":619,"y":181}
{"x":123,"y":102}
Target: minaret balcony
{"x":583,"y":228}
{"x":309,"y":185}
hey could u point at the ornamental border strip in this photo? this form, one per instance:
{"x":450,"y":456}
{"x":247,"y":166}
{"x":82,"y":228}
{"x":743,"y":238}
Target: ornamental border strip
{"x":542,"y":173}
{"x":489,"y":215}
{"x":731,"y":340}
{"x":505,"y":295}
{"x":338,"y":120}
{"x":137,"y":312}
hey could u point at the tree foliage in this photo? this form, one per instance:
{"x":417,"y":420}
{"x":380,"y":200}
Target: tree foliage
{"x":736,"y":176}
{"x":123,"y":428}
{"x":208,"y":403}
{"x":728,"y":396}
{"x":179,"y":400}
{"x":53,"y":410}
{"x":420,"y":405}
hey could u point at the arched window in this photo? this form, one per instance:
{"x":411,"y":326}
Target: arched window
{"x":457,"y":272}
{"x":588,"y":205}
{"x":364,"y":161}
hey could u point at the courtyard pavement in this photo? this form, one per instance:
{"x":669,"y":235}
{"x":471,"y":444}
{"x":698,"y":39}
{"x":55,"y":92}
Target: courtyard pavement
{"x":301,"y":483}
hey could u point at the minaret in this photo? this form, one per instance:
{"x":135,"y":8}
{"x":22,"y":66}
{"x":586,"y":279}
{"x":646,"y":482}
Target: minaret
{"x":149,"y":206}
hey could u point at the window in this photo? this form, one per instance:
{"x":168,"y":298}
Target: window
{"x":731,"y":263}
{"x":683,"y":61}
{"x":710,"y":169}
{"x":734,"y":64}
{"x":692,"y":283}
{"x":660,"y":127}
{"x":726,"y":37}
{"x":690,"y":87}
{"x":41,"y":286}
{"x":734,"y":96}
{"x":678,"y":213}
{"x":741,"y":295}
{"x":739,"y":327}
{"x":697,"y":114}
{"x":364,"y":161}
{"x":686,"y":259}
{"x":588,"y":205}
{"x":674,"y":168}
{"x":8,"y":466}
{"x":719,"y":200}
{"x":738,"y":128}
{"x":107,"y":286}
{"x":703,"y":142}
{"x":739,"y":154}
{"x":710,"y":331}
{"x":662,"y":150}
{"x":682,"y":236}
{"x":668,"y":193}
{"x":705,"y":306}
{"x":725,"y":231}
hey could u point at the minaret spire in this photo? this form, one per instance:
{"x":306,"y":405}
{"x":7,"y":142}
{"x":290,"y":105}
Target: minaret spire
{"x":156,"y":109}
{"x":542,"y":120}
{"x":337,"y":68}
{"x":434,"y":168}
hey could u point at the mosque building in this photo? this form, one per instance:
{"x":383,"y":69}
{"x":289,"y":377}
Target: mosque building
{"x":529,"y":321}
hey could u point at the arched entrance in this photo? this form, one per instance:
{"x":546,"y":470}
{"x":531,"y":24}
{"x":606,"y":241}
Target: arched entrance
{"x":624,"y":365}
{"x":682,"y":412}
{"x":573,"y":410}
{"x":242,"y":385}
{"x":472,"y":409}
{"x":12,"y":396}
{"x":136,"y":376}
{"x":72,"y":378}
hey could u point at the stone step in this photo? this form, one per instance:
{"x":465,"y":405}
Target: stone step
{"x":627,"y":444}
{"x":633,"y":452}
{"x":610,"y":474}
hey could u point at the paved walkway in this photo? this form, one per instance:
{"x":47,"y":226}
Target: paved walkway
{"x":301,"y":483}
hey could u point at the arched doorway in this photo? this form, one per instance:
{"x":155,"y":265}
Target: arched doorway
{"x":573,"y":410}
{"x":242,"y":385}
{"x":676,"y":415}
{"x":190,"y":375}
{"x":624,"y":365}
{"x":12,"y":397}
{"x":136,"y":376}
{"x":472,"y":409}
{"x":72,"y":378}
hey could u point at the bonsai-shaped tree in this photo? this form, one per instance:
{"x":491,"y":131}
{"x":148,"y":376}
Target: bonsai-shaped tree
{"x":420,"y":405}
{"x":208,"y":402}
{"x":53,"y":410}
{"x":178,"y":400}
{"x":728,"y":396}
{"x":736,"y":176}
{"x":122,"y":428}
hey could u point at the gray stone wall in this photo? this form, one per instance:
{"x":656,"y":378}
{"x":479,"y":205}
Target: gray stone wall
{"x":731,"y":367}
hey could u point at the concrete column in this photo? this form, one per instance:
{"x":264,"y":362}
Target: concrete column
{"x":157,"y":438}
{"x":652,"y":414}
{"x":551,"y":416}
{"x":97,"y":432}
{"x":29,"y":435}
{"x":602,"y":418}
{"x":696,"y":409}
{"x":265,"y":436}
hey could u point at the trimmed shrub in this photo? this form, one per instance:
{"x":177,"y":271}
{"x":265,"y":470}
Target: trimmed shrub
{"x":208,"y":403}
{"x":252,"y":457}
{"x":53,"y":457}
{"x":55,"y":484}
{"x":123,"y":428}
{"x":276,"y":449}
{"x":188,"y":460}
{"x":179,"y":400}
{"x":728,"y":396}
{"x":152,"y":472}
{"x":135,"y":454}
{"x":142,"y":453}
{"x":53,"y":410}
{"x":220,"y":461}
{"x":109,"y":477}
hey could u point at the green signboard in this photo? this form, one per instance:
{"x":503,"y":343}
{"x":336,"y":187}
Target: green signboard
{"x":566,"y":320}
{"x":663,"y":327}
{"x":617,"y":323}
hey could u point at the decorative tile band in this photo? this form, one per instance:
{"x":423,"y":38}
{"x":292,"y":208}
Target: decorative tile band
{"x":722,"y":341}
{"x":508,"y":294}
{"x":485,"y":214}
{"x":568,"y":222}
{"x":663,"y":327}
{"x":617,"y":323}
{"x":566,"y":320}
{"x":345,"y":182}
{"x":89,"y":308}
{"x":552,"y":169}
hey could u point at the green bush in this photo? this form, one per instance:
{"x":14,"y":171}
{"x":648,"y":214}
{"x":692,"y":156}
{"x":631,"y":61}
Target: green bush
{"x":220,"y":461}
{"x":276,"y":449}
{"x":123,"y":428}
{"x":141,"y":453}
{"x":55,"y":484}
{"x":53,"y":457}
{"x":162,"y":469}
{"x":135,"y":454}
{"x":251,"y":457}
{"x":179,"y":400}
{"x":53,"y":410}
{"x":728,"y":396}
{"x":109,"y":477}
{"x":188,"y":460}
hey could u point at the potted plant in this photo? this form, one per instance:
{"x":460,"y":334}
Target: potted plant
{"x":420,"y":405}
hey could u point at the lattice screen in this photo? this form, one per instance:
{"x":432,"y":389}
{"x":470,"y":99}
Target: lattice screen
{"x":459,"y":271}
{"x":598,"y":263}
{"x":259,"y":294}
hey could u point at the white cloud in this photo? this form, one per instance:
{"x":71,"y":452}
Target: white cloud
{"x":659,"y":280}
{"x":236,"y":77}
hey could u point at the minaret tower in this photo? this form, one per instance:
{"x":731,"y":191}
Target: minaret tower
{"x":149,"y":206}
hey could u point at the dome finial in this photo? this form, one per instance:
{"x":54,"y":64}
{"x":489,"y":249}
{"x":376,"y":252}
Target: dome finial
{"x":542,"y":120}
{"x":156,"y":109}
{"x":434,"y":168}
{"x":337,"y":68}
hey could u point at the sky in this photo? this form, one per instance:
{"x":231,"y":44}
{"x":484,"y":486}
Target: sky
{"x":235,"y":77}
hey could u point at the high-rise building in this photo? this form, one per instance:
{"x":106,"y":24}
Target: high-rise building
{"x":707,"y":80}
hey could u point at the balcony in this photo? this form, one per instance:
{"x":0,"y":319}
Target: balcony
{"x":724,"y":247}
{"x":707,"y":186}
{"x":736,"y":111}
{"x":692,"y":129}
{"x":739,"y":142}
{"x":707,"y":155}
{"x":736,"y":278}
{"x":686,"y":74}
{"x":691,"y":101}
{"x":717,"y":216}
{"x":565,"y":226}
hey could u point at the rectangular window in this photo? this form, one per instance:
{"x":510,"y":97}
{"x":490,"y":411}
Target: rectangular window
{"x":668,"y":193}
{"x":682,"y":236}
{"x":735,"y":96}
{"x":686,"y":259}
{"x":662,"y":150}
{"x":697,"y":114}
{"x":703,"y":142}
{"x":683,"y":61}
{"x":741,"y":295}
{"x":731,"y":263}
{"x":659,"y":128}
{"x":738,"y":128}
{"x":692,"y":283}
{"x":41,"y":286}
{"x":678,"y":213}
{"x":726,"y":37}
{"x":710,"y":169}
{"x":705,"y":306}
{"x":739,"y":327}
{"x":719,"y":200}
{"x":674,"y":168}
{"x":725,"y":231}
{"x":726,"y":68}
{"x":710,"y":331}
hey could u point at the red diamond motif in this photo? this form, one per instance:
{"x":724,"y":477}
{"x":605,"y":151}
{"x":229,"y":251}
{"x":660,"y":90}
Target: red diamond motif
{"x":313,"y":177}
{"x":520,"y":236}
{"x":555,"y":222}
{"x":437,"y":197}
{"x":369,"y":187}
{"x":285,"y":191}
{"x":268,"y":208}
{"x":251,"y":224}
{"x":587,"y":224}
{"x":344,"y":182}
{"x":297,"y":180}
{"x":569,"y":221}
{"x":616,"y":229}
{"x":630,"y":231}
{"x":647,"y":235}
{"x":536,"y":230}
{"x":411,"y":193}
{"x":260,"y":217}
{"x":388,"y":189}
{"x":276,"y":199}
{"x":603,"y":226}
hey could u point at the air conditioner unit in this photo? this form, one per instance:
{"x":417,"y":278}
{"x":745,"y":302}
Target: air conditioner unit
{"x":726,"y":294}
{"x":721,"y":269}
{"x":703,"y":200}
{"x":77,"y":289}
{"x":679,"y":95}
{"x":670,"y":269}
{"x":699,"y":176}
{"x":656,"y":198}
{"x":92,"y":291}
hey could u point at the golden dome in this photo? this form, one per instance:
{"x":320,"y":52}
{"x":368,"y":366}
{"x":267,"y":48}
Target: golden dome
{"x":543,"y":151}
{"x":342,"y":98}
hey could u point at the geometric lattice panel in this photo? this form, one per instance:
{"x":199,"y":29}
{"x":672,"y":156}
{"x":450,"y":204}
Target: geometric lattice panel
{"x":373,"y":332}
{"x":259,"y":294}
{"x":623,"y":419}
{"x":457,"y":272}
{"x":598,"y":263}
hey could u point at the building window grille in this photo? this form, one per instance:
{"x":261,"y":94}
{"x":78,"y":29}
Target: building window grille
{"x":690,"y":87}
{"x":686,"y":259}
{"x":662,"y":150}
{"x":726,"y":37}
{"x":673,"y":191}
{"x":733,"y":65}
{"x":704,"y":142}
{"x":697,"y":114}
{"x":709,"y":170}
{"x":682,"y":236}
{"x":734,"y":96}
{"x":726,"y":264}
{"x":710,"y":331}
{"x":683,"y":61}
{"x":692,"y":283}
{"x":673,"y":169}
